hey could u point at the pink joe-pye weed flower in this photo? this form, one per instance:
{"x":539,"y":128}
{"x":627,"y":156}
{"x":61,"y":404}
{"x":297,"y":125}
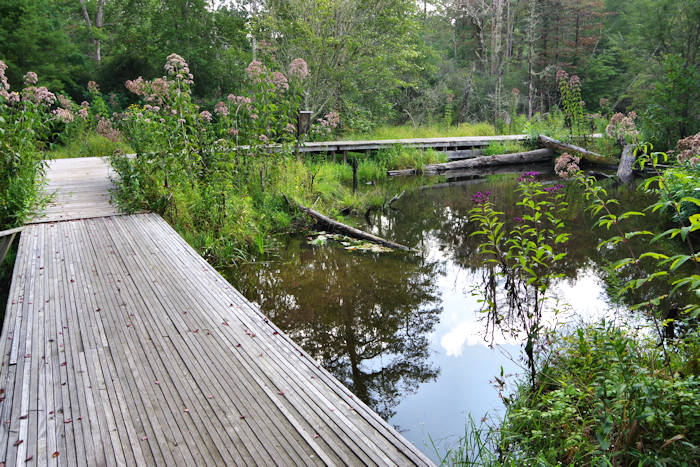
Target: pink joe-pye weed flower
{"x":280,"y":81}
{"x":63,"y":115}
{"x":254,"y":70}
{"x":30,"y":78}
{"x":205,"y":115}
{"x":298,"y":68}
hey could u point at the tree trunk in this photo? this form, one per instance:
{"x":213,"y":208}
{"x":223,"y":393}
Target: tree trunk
{"x":590,"y":156}
{"x":487,"y":161}
{"x":624,"y":170}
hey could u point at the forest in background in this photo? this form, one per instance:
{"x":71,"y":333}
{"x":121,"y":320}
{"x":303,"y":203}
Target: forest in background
{"x":381,"y":62}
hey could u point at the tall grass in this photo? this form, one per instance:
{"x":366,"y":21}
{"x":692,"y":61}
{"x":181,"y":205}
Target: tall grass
{"x":435,"y":130}
{"x":87,"y":144}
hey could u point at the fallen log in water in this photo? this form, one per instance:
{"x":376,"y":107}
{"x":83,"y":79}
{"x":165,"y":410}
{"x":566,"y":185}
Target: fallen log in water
{"x":487,"y":161}
{"x":339,"y":227}
{"x":590,"y":156}
{"x":401,"y":173}
{"x":624,"y":170}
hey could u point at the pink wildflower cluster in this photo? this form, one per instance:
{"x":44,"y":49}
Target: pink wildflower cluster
{"x":279,"y":81}
{"x":689,"y":150}
{"x":176,"y":66}
{"x":221,"y":109}
{"x":4,"y":84}
{"x":290,"y":128}
{"x":39,"y":95}
{"x":238,"y":99}
{"x":329,"y":121}
{"x":83,"y":113}
{"x":30,"y":78}
{"x":566,"y":165}
{"x":93,"y":87}
{"x":562,"y":75}
{"x":104,"y":128}
{"x":136,"y":86}
{"x":63,"y":115}
{"x":155,"y":92}
{"x":64,"y":101}
{"x":205,"y":115}
{"x":298,"y":68}
{"x":254,"y":71}
{"x":622,"y":127}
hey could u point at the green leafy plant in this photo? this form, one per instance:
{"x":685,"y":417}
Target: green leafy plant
{"x":520,"y":260}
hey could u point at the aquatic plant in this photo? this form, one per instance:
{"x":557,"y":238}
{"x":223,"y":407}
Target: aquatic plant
{"x":520,"y":260}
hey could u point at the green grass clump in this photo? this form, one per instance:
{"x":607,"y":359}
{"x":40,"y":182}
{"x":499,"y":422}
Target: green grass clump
{"x":504,"y":147}
{"x":435,"y":130}
{"x":88,"y":144}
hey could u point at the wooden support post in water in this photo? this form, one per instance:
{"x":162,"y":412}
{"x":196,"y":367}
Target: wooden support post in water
{"x":354,"y":175}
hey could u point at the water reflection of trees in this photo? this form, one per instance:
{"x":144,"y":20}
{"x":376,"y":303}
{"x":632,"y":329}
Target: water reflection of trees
{"x":442,"y":214}
{"x":365,"y":317}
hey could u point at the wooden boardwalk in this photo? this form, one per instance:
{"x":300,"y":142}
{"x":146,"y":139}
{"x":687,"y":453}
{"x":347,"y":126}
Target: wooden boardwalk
{"x":450,"y":143}
{"x":122,"y":346}
{"x":80,"y":188}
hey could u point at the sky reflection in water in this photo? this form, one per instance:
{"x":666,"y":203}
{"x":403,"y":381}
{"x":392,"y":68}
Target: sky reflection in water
{"x":403,"y":332}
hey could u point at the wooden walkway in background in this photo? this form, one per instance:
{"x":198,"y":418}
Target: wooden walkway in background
{"x":80,"y":188}
{"x":448,"y":143}
{"x":122,"y":346}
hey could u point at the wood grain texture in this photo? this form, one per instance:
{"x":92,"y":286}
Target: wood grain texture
{"x":80,"y":189}
{"x":122,"y":346}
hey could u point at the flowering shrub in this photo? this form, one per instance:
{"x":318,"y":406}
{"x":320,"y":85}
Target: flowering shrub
{"x":209,"y":172}
{"x":622,"y":128}
{"x":26,"y":122}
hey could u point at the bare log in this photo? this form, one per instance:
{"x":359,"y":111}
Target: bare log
{"x":401,"y":173}
{"x":624,"y":170}
{"x":590,"y":156}
{"x":487,"y":161}
{"x":344,"y":229}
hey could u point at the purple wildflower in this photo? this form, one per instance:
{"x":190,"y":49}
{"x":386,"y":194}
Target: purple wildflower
{"x":518,"y":219}
{"x":480,"y":198}
{"x":528,"y":176}
{"x":554,"y":188}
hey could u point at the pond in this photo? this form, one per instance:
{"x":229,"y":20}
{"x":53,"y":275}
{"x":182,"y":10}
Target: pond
{"x":404,"y":332}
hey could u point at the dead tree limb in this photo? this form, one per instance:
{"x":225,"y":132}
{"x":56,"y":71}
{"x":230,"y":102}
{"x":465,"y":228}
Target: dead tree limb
{"x":344,"y":229}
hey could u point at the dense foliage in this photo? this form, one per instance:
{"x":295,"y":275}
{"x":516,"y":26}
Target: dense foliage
{"x":399,"y":61}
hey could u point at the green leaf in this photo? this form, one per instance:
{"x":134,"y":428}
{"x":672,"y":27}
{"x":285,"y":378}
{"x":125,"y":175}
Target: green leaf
{"x":618,"y":264}
{"x":652,"y":254}
{"x":627,"y":214}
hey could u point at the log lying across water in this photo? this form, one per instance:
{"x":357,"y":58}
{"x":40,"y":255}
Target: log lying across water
{"x":624,"y":170}
{"x":590,"y":156}
{"x":344,"y":229}
{"x":487,"y":161}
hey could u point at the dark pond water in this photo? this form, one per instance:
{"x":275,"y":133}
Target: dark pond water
{"x":404,"y":332}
